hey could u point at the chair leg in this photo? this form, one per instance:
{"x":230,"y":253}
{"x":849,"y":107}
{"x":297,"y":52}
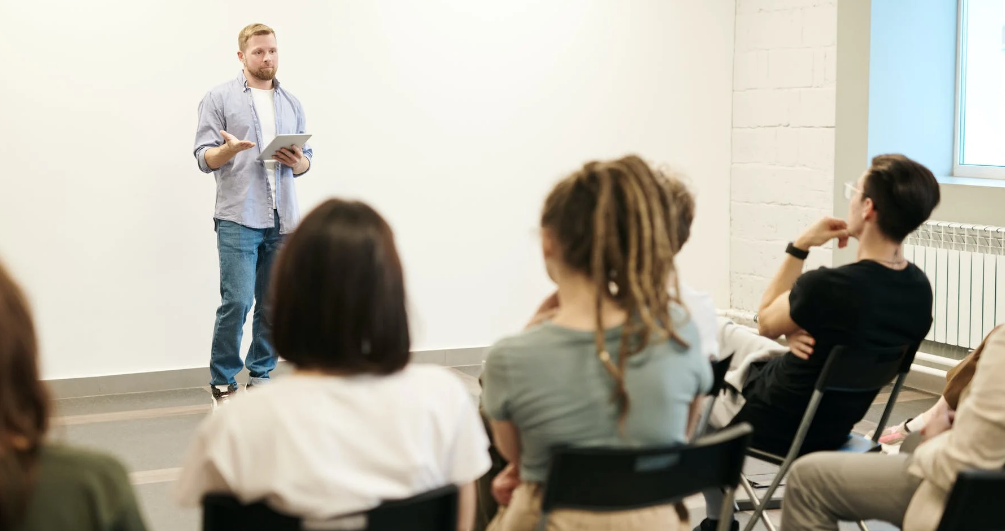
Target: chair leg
{"x":762,"y":503}
{"x":862,"y":526}
{"x":752,"y":495}
{"x":726,"y":514}
{"x":797,"y":442}
{"x":749,"y":489}
{"x":897,"y":386}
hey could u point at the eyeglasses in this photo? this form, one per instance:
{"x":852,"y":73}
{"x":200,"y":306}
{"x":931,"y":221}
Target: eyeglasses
{"x":850,"y":190}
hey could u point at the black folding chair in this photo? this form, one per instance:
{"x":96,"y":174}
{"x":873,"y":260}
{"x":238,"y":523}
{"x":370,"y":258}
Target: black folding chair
{"x":860,"y":370}
{"x":973,"y":504}
{"x":619,"y":479}
{"x":719,"y":370}
{"x":431,"y":511}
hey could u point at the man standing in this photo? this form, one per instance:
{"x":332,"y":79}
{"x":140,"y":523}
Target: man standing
{"x":256,"y":202}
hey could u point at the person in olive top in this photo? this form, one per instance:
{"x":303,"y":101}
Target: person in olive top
{"x":43,"y":486}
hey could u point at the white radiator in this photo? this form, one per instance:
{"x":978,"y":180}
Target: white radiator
{"x":966,"y":268}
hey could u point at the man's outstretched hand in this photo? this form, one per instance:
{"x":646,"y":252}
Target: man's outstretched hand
{"x":234,"y":145}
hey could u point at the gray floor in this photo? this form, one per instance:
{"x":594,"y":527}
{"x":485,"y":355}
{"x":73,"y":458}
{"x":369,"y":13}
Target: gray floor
{"x":150,"y":432}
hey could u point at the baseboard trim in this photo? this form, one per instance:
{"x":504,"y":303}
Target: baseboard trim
{"x":926,"y":379}
{"x":921,"y":378}
{"x":118,"y":384}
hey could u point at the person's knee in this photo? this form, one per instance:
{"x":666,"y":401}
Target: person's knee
{"x":237,"y":301}
{"x":806,"y":472}
{"x":799,"y":484}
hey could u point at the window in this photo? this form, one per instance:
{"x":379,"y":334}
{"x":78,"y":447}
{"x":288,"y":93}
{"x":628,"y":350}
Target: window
{"x":980,"y":113}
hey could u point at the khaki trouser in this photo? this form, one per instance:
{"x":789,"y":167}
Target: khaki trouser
{"x":827,"y":487}
{"x":524,"y":513}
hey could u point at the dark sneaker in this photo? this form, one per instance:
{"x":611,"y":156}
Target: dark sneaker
{"x":712,"y":525}
{"x":222,"y":394}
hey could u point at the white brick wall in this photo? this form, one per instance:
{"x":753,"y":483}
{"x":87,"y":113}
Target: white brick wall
{"x":784,"y":77}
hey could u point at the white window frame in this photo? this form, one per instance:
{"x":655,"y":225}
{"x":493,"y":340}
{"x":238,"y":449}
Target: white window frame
{"x":966,"y":170}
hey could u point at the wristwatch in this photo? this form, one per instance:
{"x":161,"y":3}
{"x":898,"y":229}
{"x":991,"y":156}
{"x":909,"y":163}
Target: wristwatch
{"x":797,"y":252}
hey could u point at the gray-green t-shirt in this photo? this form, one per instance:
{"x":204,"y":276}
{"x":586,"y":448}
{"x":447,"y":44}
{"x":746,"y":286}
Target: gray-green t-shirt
{"x":550,"y":382}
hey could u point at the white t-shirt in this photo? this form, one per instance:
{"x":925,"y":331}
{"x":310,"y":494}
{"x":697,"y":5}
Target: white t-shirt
{"x":702,"y":309}
{"x":321,"y":446}
{"x":265,"y":108}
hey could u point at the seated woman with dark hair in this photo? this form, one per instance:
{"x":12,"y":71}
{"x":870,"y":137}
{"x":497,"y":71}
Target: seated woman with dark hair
{"x":45,"y":486}
{"x":355,"y":424}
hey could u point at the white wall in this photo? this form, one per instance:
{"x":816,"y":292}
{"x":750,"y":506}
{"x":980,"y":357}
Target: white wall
{"x":451,"y":117}
{"x":783,"y":135}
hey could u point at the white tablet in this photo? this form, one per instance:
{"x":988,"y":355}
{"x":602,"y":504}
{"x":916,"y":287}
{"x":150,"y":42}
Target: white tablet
{"x":282,"y":141}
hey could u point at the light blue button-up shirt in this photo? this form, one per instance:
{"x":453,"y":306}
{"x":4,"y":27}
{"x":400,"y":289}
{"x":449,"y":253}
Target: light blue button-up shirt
{"x":243,"y":194}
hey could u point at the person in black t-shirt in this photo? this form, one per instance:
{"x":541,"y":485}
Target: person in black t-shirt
{"x":881,"y":300}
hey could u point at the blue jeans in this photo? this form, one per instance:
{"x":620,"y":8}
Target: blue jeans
{"x":246,"y":257}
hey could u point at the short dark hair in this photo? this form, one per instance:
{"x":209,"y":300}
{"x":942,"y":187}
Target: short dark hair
{"x":338,"y":293}
{"x":904,"y":193}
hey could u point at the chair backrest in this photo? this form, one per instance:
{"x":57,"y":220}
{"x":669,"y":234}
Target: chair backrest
{"x":615,"y":479}
{"x":222,"y":512}
{"x":973,"y":504}
{"x":431,"y":511}
{"x":861,"y":369}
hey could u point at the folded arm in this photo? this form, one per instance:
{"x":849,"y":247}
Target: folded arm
{"x":774,"y":318}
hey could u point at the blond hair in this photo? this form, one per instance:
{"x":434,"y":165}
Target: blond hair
{"x":250,"y":31}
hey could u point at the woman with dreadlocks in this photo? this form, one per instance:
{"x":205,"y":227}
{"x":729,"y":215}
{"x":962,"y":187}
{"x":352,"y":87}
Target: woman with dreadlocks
{"x":618,"y":364}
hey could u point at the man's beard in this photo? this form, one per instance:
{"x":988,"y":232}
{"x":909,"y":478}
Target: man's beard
{"x":264,"y":73}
